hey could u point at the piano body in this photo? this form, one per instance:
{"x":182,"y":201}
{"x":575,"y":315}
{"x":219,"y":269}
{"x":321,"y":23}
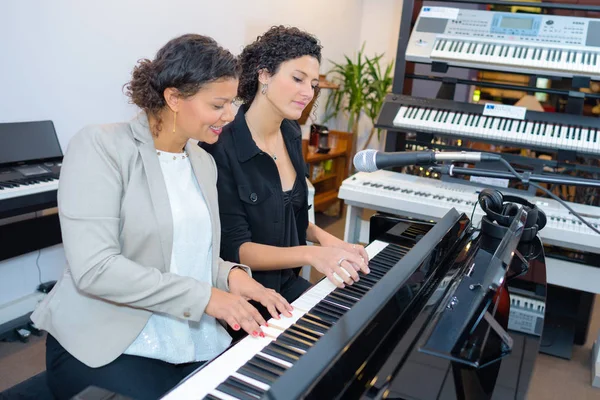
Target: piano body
{"x":379,"y":337}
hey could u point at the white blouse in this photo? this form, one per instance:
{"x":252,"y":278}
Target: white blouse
{"x":166,"y":337}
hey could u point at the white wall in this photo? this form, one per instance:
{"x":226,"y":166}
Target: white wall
{"x":67,"y":61}
{"x":379,"y":31}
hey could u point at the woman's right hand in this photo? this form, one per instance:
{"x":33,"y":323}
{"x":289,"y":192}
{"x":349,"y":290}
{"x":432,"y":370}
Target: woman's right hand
{"x":331,"y":260}
{"x":236,"y":311}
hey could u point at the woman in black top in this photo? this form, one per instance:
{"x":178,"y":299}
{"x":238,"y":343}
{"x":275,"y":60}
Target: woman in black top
{"x":261,"y":181}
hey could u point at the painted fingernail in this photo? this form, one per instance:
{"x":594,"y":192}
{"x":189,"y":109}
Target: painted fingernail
{"x":236,"y":327}
{"x":262,"y":334}
{"x":267,"y":324}
{"x":254,"y":333}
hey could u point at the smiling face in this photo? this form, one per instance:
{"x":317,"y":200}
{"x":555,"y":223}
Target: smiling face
{"x":292,"y":87}
{"x":203,"y":115}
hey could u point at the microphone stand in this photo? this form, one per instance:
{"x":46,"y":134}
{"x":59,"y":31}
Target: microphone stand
{"x":451,"y":170}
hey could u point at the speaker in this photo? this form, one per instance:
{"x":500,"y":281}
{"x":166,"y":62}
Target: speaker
{"x":500,"y":211}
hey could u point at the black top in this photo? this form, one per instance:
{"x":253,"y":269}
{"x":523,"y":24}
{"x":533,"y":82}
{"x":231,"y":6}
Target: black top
{"x":252,"y":204}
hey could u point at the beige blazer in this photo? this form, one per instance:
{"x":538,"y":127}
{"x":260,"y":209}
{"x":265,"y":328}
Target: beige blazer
{"x":117,"y":233}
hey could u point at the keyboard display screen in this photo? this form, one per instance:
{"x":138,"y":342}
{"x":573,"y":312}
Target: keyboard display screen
{"x":516,"y":23}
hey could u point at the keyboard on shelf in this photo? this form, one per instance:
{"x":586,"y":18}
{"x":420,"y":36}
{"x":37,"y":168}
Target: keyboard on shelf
{"x":426,"y":198}
{"x":539,"y":130}
{"x":523,"y":43}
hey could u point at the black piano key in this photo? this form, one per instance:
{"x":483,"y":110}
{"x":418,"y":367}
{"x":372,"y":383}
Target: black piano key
{"x":245,"y":386}
{"x":291,"y":341}
{"x":317,"y":320}
{"x":371,"y":280}
{"x":298,"y":337}
{"x":339,"y":300}
{"x":276,"y":366}
{"x":266,"y":364}
{"x":380,"y":263}
{"x":377,"y":274}
{"x":309,"y":325}
{"x":333,"y":310}
{"x":333,"y":303}
{"x":358,"y":290}
{"x":235,"y":392}
{"x":305,"y":331}
{"x":280,"y":353}
{"x":353,"y":291}
{"x":211,"y":397}
{"x":389,"y":258}
{"x":287,"y":349}
{"x":325,"y":315}
{"x":362,"y":285}
{"x":258,"y":374}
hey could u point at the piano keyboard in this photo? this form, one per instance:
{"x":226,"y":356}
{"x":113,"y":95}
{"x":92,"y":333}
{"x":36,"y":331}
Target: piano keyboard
{"x":551,"y":131}
{"x":549,"y":45}
{"x":248,"y":368}
{"x":425,"y":198}
{"x":24,"y":187}
{"x":523,"y":58}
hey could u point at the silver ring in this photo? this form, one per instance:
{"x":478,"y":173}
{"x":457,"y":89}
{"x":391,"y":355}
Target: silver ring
{"x":341,"y":261}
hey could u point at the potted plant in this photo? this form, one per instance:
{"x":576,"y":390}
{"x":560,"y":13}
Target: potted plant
{"x":363,"y":85}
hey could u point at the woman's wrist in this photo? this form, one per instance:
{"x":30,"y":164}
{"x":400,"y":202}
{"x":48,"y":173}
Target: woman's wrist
{"x":234,"y":272}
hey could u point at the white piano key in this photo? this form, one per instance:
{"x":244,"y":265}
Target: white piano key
{"x":279,"y":361}
{"x":218,"y":394}
{"x":25,"y":190}
{"x":209,"y":377}
{"x":251,"y":381}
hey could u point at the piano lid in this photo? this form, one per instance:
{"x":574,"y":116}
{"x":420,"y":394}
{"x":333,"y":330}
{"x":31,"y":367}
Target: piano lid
{"x":28,"y":141}
{"x":330,"y":367}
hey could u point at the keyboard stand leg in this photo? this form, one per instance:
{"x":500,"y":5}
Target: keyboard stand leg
{"x":352,"y":229}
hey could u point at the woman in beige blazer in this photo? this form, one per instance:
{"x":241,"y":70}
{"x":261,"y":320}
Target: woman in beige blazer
{"x":138,"y":304}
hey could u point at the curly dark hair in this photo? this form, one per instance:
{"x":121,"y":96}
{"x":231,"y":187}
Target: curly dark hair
{"x":277,"y":45}
{"x":185,"y":63}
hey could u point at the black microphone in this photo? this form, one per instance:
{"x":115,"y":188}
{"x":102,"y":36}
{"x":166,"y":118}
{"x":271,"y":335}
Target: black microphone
{"x":371,"y":160}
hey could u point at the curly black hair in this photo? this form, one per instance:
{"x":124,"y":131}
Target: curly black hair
{"x":185,"y":63}
{"x":277,"y":45}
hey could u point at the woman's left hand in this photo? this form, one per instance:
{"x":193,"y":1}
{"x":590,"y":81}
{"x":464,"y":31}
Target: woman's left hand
{"x":332,"y":241}
{"x":242,"y":284}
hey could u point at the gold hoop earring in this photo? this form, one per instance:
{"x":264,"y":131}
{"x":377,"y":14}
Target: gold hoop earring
{"x":174,"y":120}
{"x":264,"y":88}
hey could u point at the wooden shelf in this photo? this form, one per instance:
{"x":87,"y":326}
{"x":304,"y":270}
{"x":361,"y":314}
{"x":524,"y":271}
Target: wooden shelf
{"x":327,"y":171}
{"x":316,"y":157}
{"x":324,"y":199}
{"x":323,"y":178}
